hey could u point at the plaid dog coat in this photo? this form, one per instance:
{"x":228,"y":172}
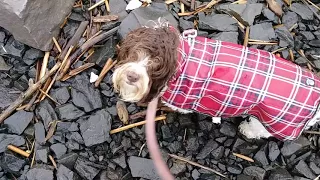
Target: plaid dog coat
{"x":223,"y":79}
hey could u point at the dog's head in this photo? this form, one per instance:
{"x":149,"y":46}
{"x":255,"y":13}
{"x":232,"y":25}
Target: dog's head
{"x":146,"y":61}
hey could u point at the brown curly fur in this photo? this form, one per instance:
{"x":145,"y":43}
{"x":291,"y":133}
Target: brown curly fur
{"x":161,"y":46}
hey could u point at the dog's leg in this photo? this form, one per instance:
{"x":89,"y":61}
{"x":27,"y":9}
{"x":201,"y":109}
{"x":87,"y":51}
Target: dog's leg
{"x":253,"y":129}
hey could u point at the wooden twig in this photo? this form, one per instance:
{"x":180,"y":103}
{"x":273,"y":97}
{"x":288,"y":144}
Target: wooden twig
{"x":109,"y":64}
{"x":312,"y":132}
{"x":65,"y":21}
{"x":159,"y":118}
{"x":291,"y":55}
{"x":170,"y":1}
{"x":107,"y":5}
{"x":27,"y":94}
{"x":317,"y":7}
{"x":243,"y":157}
{"x":106,"y":18}
{"x":280,"y":49}
{"x":56,"y":44}
{"x":96,"y":5}
{"x":77,"y":71}
{"x":196,"y":164}
{"x":66,"y":63}
{"x":314,"y":12}
{"x":75,"y":38}
{"x":53,"y":162}
{"x":246,"y":37}
{"x":46,"y":94}
{"x":263,"y":43}
{"x":19,"y":151}
{"x":44,"y":64}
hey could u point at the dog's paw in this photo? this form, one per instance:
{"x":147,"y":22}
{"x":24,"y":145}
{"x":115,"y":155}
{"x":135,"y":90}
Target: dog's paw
{"x":253,"y":129}
{"x":216,"y":120}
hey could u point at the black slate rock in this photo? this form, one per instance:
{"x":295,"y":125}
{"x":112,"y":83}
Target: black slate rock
{"x":143,"y":168}
{"x":234,"y":169}
{"x":226,"y":36}
{"x":261,"y":157}
{"x":42,"y":155}
{"x":262,"y":31}
{"x":185,"y":25}
{"x":274,"y":151}
{"x":40,"y":174}
{"x":61,"y":95}
{"x":69,"y":112}
{"x":46,"y":112}
{"x":13,"y":49}
{"x":303,"y":169}
{"x":7,"y":139}
{"x":84,"y":95}
{"x":68,"y":160}
{"x":121,"y":161}
{"x":86,"y":169}
{"x":290,"y":18}
{"x":178,"y":168}
{"x":290,"y":147}
{"x":285,"y":37}
{"x":218,"y":153}
{"x":228,"y":129}
{"x":96,"y":129}
{"x":102,"y":54}
{"x":314,"y":43}
{"x":302,"y":10}
{"x":206,"y":150}
{"x":63,"y":173}
{"x":18,"y":121}
{"x":40,"y":133}
{"x":219,"y":22}
{"x":192,"y":144}
{"x":255,"y":171}
{"x":315,"y":169}
{"x":32,"y":55}
{"x":280,"y":174}
{"x":58,"y":149}
{"x":11,"y":163}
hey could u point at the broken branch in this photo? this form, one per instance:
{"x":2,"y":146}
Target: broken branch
{"x":109,"y":64}
{"x":19,"y":151}
{"x":27,"y":94}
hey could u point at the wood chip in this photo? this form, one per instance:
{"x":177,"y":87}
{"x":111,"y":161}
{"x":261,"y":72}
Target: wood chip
{"x":159,"y":118}
{"x":243,"y":157}
{"x":18,"y":150}
{"x":196,"y":164}
{"x":275,"y":7}
{"x":122,"y":112}
{"x":51,"y":130}
{"x":105,"y":18}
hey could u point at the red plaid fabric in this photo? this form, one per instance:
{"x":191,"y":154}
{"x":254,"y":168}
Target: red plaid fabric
{"x":223,"y":79}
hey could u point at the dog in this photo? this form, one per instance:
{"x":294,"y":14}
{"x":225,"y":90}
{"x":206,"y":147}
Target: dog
{"x":191,"y":73}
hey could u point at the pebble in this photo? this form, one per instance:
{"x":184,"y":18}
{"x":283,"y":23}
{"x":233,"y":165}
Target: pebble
{"x":61,"y":95}
{"x":226,"y":36}
{"x":142,"y":168}
{"x":86,"y":169}
{"x":234,"y":169}
{"x":261,"y":157}
{"x":290,"y":18}
{"x":274,"y":151}
{"x":40,"y":174}
{"x":303,"y":169}
{"x":121,"y":161}
{"x":285,"y":37}
{"x":3,"y":65}
{"x":13,"y":49}
{"x":262,"y":31}
{"x":228,"y":129}
{"x":40,"y":133}
{"x":207,"y":149}
{"x":7,"y":139}
{"x":69,"y":112}
{"x":32,"y":55}
{"x":302,"y":10}
{"x":63,"y":173}
{"x":46,"y":112}
{"x":84,"y":95}
{"x":255,"y":171}
{"x":68,"y":160}
{"x":219,"y":22}
{"x":11,"y":163}
{"x":315,"y":169}
{"x":58,"y":149}
{"x":218,"y":153}
{"x":42,"y":155}
{"x":178,"y":168}
{"x":290,"y":147}
{"x":192,"y":144}
{"x":96,"y":129}
{"x":315,"y":43}
{"x":280,"y":174}
{"x":19,"y":121}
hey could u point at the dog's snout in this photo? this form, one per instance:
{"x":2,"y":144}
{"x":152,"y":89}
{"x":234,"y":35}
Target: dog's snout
{"x":132,"y":76}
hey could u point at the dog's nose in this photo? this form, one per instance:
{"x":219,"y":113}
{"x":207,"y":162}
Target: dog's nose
{"x":132,"y":76}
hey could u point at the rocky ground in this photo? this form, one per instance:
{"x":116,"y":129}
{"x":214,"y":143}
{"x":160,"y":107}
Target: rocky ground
{"x":67,"y":135}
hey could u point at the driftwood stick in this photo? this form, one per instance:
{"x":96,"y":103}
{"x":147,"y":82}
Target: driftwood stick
{"x":27,"y":94}
{"x":109,"y":64}
{"x":88,"y":44}
{"x":75,"y":39}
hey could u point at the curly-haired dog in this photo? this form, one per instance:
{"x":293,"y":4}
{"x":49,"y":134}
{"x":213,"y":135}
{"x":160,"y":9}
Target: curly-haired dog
{"x":191,"y":73}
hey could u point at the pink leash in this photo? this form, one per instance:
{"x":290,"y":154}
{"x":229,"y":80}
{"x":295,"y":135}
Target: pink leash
{"x":152,"y":142}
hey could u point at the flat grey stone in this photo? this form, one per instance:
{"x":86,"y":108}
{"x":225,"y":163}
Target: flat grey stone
{"x":34,"y":22}
{"x":7,"y":98}
{"x":39,"y":174}
{"x":219,"y":22}
{"x":7,"y":139}
{"x":18,"y":121}
{"x":96,"y":129}
{"x":263,"y":31}
{"x":142,"y":15}
{"x":4,"y":67}
{"x":142,"y":167}
{"x":302,"y":10}
{"x":226,"y":36}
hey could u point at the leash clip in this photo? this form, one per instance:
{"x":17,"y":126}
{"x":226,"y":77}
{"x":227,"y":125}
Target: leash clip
{"x":190,"y":34}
